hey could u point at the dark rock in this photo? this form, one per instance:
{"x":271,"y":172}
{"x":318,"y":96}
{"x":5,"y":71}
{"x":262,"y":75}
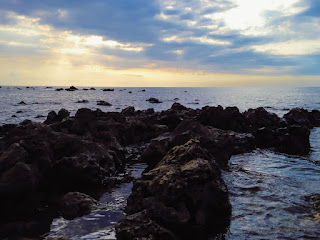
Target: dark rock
{"x":85,"y":89}
{"x":184,"y":194}
{"x":293,"y":140}
{"x":175,"y":99}
{"x":129,"y":111}
{"x":226,"y":119}
{"x":149,"y":111}
{"x":92,"y":89}
{"x":14,"y":116}
{"x":178,"y":107}
{"x":103,"y":103}
{"x":143,"y":90}
{"x":40,"y":116}
{"x":153,"y":100}
{"x":22,"y":103}
{"x":71,"y":89}
{"x":53,"y":117}
{"x":59,"y":89}
{"x":258,"y":118}
{"x":220,"y":144}
{"x":299,"y":116}
{"x":140,"y":226}
{"x":75,"y":204}
{"x":19,"y":111}
{"x":130,"y":92}
{"x":82,"y":101}
{"x":108,"y":90}
{"x":63,"y":113}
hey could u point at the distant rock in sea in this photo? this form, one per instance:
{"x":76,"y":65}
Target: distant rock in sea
{"x":108,"y":90}
{"x":22,"y":103}
{"x":82,"y":101}
{"x":71,"y":89}
{"x":103,"y":103}
{"x":153,"y":100}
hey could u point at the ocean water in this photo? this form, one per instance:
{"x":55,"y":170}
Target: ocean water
{"x":269,"y":192}
{"x":41,"y":100}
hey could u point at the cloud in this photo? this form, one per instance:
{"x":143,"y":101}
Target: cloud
{"x":264,"y":37}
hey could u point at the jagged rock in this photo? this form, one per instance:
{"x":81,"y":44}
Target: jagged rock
{"x":184,"y":193}
{"x":129,"y":111}
{"x":258,"y":118}
{"x":300,"y":116}
{"x":221,"y":144}
{"x":227,"y":119}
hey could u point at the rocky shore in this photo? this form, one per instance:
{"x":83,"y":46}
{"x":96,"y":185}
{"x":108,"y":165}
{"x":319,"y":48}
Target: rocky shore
{"x":61,"y":167}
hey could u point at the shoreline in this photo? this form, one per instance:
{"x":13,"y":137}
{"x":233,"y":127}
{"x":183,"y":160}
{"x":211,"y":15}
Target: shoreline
{"x":83,"y":153}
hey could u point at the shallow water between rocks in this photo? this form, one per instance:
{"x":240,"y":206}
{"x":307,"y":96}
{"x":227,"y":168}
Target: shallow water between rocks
{"x":269,"y":192}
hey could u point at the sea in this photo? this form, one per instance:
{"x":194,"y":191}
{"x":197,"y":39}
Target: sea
{"x":270,"y":192}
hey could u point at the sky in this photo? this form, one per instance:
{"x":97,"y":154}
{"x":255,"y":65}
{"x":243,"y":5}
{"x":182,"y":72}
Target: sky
{"x":164,"y":43}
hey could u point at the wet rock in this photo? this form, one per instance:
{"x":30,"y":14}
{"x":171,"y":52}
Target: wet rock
{"x":108,"y":90}
{"x":227,"y":119}
{"x":92,"y":89}
{"x":143,"y":90}
{"x":129,"y":92}
{"x":153,"y":100}
{"x":22,"y":103}
{"x":14,"y":116}
{"x":59,"y":89}
{"x":258,"y":118}
{"x":103,"y":103}
{"x":129,"y":111}
{"x":75,"y":204}
{"x":140,"y":226}
{"x":184,"y":193}
{"x":293,"y":140}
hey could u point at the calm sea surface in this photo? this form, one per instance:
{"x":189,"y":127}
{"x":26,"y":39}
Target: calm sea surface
{"x":269,"y":192}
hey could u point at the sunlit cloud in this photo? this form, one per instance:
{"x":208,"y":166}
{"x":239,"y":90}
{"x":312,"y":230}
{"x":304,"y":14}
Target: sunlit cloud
{"x":292,"y":47}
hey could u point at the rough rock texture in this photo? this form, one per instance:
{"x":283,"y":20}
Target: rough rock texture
{"x":184,"y":195}
{"x":220,"y":144}
{"x":228,"y":119}
{"x":75,"y":204}
{"x":41,"y":163}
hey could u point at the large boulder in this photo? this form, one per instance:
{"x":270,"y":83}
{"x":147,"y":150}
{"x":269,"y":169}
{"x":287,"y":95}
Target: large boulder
{"x":184,"y":194}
